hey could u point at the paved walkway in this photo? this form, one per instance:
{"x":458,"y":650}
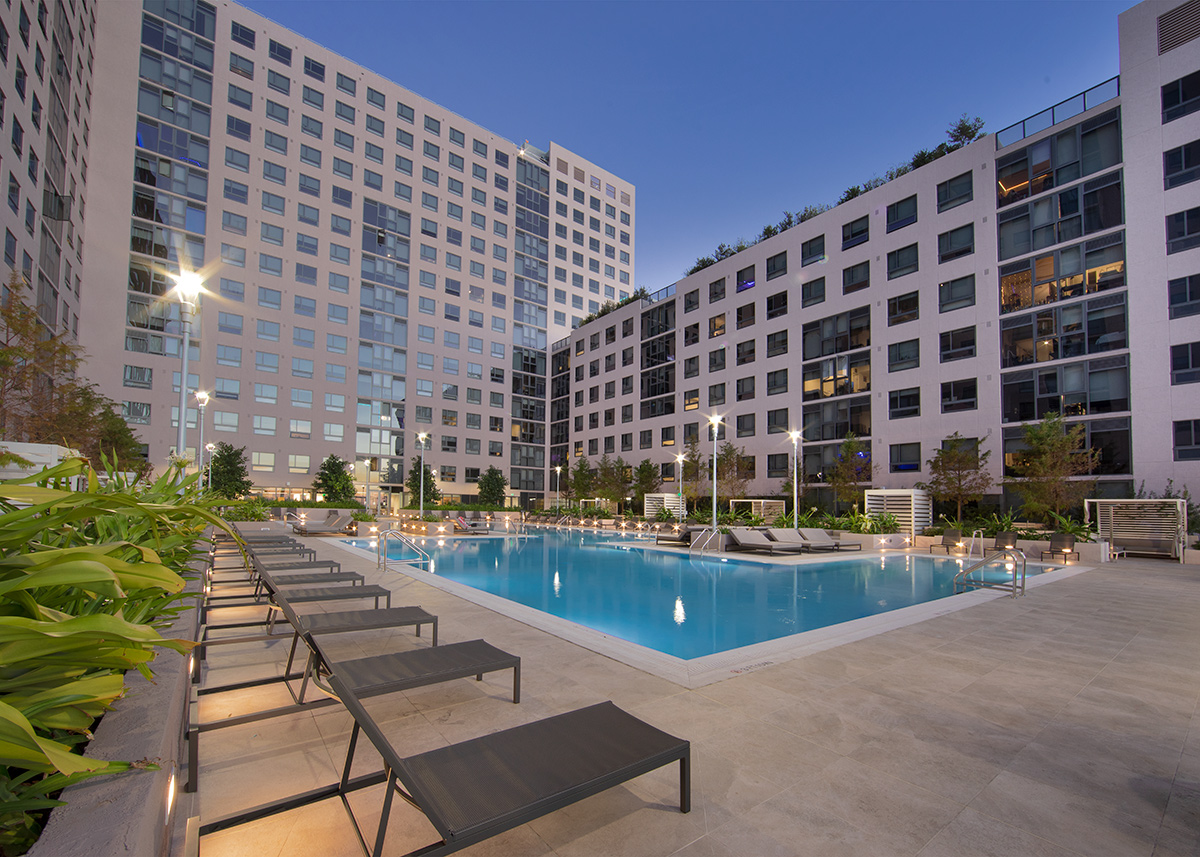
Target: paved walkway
{"x":1057,"y":724}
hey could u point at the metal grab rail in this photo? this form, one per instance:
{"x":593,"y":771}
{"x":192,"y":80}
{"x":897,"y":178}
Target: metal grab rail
{"x":706,"y":536}
{"x":971,"y":545}
{"x":1015,"y":554}
{"x":381,"y":555}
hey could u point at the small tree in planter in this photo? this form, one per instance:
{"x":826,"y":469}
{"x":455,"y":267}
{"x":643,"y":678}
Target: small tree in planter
{"x":958,"y":472}
{"x":491,"y":487}
{"x":334,"y":481}
{"x":853,"y":467}
{"x":1043,"y":469}
{"x":432,"y":495}
{"x":228,"y":475}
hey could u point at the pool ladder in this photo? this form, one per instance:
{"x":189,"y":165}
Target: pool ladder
{"x":381,"y":554}
{"x":701,"y":541}
{"x":1015,"y":584}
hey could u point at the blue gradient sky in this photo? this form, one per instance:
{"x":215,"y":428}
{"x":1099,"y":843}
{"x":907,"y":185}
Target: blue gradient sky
{"x":723,"y":114}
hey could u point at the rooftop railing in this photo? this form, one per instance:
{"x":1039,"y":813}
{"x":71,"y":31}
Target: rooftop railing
{"x":1060,"y":112}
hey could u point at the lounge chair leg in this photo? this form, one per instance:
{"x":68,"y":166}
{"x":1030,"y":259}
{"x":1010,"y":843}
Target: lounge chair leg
{"x":386,"y":811}
{"x":435,"y":621}
{"x":517,"y":683}
{"x":685,"y":782}
{"x":349,"y":756}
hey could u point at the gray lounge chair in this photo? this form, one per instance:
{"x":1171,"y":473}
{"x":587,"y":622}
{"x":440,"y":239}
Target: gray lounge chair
{"x":477,"y":789}
{"x":951,"y":542}
{"x":817,"y":539}
{"x":1062,"y":547}
{"x":1005,"y":539}
{"x":332,"y":525}
{"x":754,"y":540}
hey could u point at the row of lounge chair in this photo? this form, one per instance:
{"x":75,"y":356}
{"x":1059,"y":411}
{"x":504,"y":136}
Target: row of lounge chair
{"x":469,"y":791}
{"x":334,"y":523}
{"x":1062,"y":545}
{"x":785,"y":540}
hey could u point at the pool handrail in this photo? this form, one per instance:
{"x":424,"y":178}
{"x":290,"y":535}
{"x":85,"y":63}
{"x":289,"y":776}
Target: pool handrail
{"x":1015,"y":554}
{"x":381,"y":560}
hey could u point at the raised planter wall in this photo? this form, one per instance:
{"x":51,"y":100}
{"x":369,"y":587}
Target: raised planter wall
{"x":128,"y":813}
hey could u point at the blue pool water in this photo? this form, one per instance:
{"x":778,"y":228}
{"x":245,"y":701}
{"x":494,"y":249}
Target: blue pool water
{"x":682,"y":606}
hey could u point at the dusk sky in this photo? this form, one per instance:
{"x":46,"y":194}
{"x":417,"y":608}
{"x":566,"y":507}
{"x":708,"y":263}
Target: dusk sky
{"x":724,"y":114}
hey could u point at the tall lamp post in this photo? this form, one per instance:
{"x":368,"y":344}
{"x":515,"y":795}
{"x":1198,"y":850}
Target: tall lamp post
{"x":795,"y":436}
{"x":211,"y":449}
{"x":681,"y":459}
{"x":202,"y":403}
{"x":367,"y":482}
{"x":421,"y":438}
{"x":557,"y":484}
{"x":715,"y":422}
{"x":188,"y":287}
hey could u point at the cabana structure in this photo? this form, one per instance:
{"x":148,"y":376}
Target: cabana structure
{"x":1143,"y":527}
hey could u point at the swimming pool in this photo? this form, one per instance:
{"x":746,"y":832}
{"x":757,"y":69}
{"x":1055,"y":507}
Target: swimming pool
{"x":684,"y":606}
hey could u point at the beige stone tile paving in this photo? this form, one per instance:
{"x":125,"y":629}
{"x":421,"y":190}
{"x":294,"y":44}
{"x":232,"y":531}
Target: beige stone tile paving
{"x":1056,"y":725}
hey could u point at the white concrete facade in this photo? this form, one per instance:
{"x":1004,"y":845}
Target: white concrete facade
{"x":1080,"y":264}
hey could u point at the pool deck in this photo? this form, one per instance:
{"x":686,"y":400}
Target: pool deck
{"x":1060,"y":723}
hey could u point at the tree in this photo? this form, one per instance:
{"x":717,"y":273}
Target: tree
{"x":582,"y":481}
{"x":1043,"y":469}
{"x":964,"y":130}
{"x":414,"y":482}
{"x":491,"y":486}
{"x":958,"y":472}
{"x":694,"y":476}
{"x":853,"y":467}
{"x":611,"y":482}
{"x":228,"y":475}
{"x":733,"y":472}
{"x":334,"y":481}
{"x":646,"y":480}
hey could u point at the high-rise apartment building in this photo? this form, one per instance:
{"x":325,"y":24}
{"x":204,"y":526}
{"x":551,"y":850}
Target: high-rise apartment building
{"x":375,"y":265}
{"x":1050,"y":267}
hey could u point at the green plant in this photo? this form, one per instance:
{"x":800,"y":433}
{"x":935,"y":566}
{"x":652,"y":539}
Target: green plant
{"x":251,"y":509}
{"x":492,"y":483}
{"x":1053,"y":454}
{"x":1064,"y":524}
{"x":228,"y":475}
{"x":334,"y":481}
{"x":361,"y":516}
{"x":84,"y":577}
{"x":666,"y":515}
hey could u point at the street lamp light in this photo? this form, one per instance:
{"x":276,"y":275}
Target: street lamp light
{"x":202,"y":403}
{"x":681,"y":459}
{"x":795,"y":436}
{"x":421,"y":438}
{"x":188,"y":286}
{"x":557,"y":484}
{"x":715,"y":422}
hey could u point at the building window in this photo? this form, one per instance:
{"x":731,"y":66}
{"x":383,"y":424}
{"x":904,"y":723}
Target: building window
{"x":903,"y":308}
{"x":901,"y":262}
{"x":745,"y":352}
{"x":956,"y":243}
{"x":745,"y":279}
{"x":716,"y":290}
{"x":777,"y":382}
{"x":745,"y":389}
{"x":904,"y":457}
{"x":855,"y":232}
{"x":959,"y":395}
{"x":1181,"y":165}
{"x":812,"y":251}
{"x":812,"y":292}
{"x":957,"y":344}
{"x":856,"y":277}
{"x":902,"y":213}
{"x":1187,"y":440}
{"x":953,"y":192}
{"x":745,"y":316}
{"x":716,"y":360}
{"x":1183,"y":230}
{"x":904,"y":403}
{"x":956,"y":294}
{"x":777,"y":343}
{"x":1183,"y":296}
{"x":1181,"y":97}
{"x":745,"y":425}
{"x":1185,"y":363}
{"x":904,"y":355}
{"x":716,"y":324}
{"x":777,"y":265}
